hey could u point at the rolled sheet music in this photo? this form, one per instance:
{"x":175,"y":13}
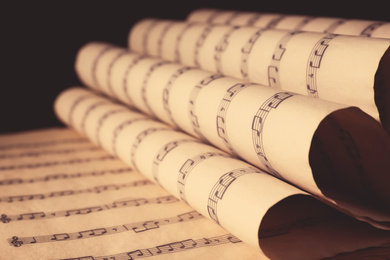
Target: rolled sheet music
{"x":171,"y":159}
{"x":330,"y":150}
{"x":337,"y":25}
{"x":255,"y":207}
{"x":346,"y":69}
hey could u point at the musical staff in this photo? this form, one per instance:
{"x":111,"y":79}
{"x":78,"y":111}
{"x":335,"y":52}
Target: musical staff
{"x":221,"y":47}
{"x":273,"y":68}
{"x":136,"y":227}
{"x":92,"y":107}
{"x":333,"y":26}
{"x":95,"y":65}
{"x":179,"y":37}
{"x":120,"y":128}
{"x":286,"y":22}
{"x":123,"y":203}
{"x":103,"y":118}
{"x":140,"y":137}
{"x":74,"y":105}
{"x":367,"y":32}
{"x":145,"y":81}
{"x":62,"y":176}
{"x":167,"y":89}
{"x":163,"y":152}
{"x":258,"y":124}
{"x":189,"y":165}
{"x":39,"y":153}
{"x":57,"y":163}
{"x":96,"y":189}
{"x":174,"y":247}
{"x":126,"y":74}
{"x":199,"y":43}
{"x":78,"y":140}
{"x":314,"y":63}
{"x":192,"y":103}
{"x":219,"y":189}
{"x":145,"y":36}
{"x":246,"y":52}
{"x":222,"y":111}
{"x":164,"y":31}
{"x":117,"y":57}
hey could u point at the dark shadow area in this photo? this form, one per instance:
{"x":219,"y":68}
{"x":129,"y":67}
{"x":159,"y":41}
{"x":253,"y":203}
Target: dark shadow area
{"x":382,"y":90}
{"x":301,"y":227}
{"x":349,"y":157}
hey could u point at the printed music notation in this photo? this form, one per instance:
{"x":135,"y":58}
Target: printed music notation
{"x":88,"y":111}
{"x":120,"y":128}
{"x":222,"y":111}
{"x":125,"y":84}
{"x":167,"y":88}
{"x":44,"y":143}
{"x":110,"y":66}
{"x":102,"y":120}
{"x":221,"y":47}
{"x":95,"y":64}
{"x":219,"y":189}
{"x":139,"y":139}
{"x":64,"y":176}
{"x":163,"y":152}
{"x":136,"y":227}
{"x":273,"y":56}
{"x":189,"y":165}
{"x":97,"y":189}
{"x":273,"y":68}
{"x":47,"y":152}
{"x":258,"y":124}
{"x":279,"y":21}
{"x":192,"y":103}
{"x":314,"y":63}
{"x":199,"y":43}
{"x":246,"y":52}
{"x":88,"y":210}
{"x":145,"y":83}
{"x":56,"y":163}
{"x":177,"y":54}
{"x":174,"y":247}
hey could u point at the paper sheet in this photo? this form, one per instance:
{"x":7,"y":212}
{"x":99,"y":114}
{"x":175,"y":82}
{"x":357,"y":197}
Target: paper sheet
{"x":337,"y":25}
{"x":328,"y":66}
{"x":267,"y":127}
{"x":62,"y":197}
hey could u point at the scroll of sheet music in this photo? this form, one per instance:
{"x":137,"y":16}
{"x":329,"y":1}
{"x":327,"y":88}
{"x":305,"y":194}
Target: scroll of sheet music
{"x":325,"y":65}
{"x":173,"y":158}
{"x":286,"y":134}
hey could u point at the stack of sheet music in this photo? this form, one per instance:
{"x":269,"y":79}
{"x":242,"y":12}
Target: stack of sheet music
{"x":248,"y":136}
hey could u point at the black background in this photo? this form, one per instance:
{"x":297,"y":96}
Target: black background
{"x":39,"y":41}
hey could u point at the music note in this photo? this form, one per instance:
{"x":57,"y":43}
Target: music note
{"x":139,"y":253}
{"x":15,"y":242}
{"x":187,"y":216}
{"x":31,"y":215}
{"x":60,"y":237}
{"x":164,"y":249}
{"x":148,"y":225}
{"x":4,"y":218}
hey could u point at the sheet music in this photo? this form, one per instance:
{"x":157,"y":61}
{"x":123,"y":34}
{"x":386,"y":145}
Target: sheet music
{"x":95,"y":206}
{"x":329,"y":66}
{"x":253,"y":122}
{"x":235,"y":195}
{"x":358,"y":27}
{"x":192,"y":171}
